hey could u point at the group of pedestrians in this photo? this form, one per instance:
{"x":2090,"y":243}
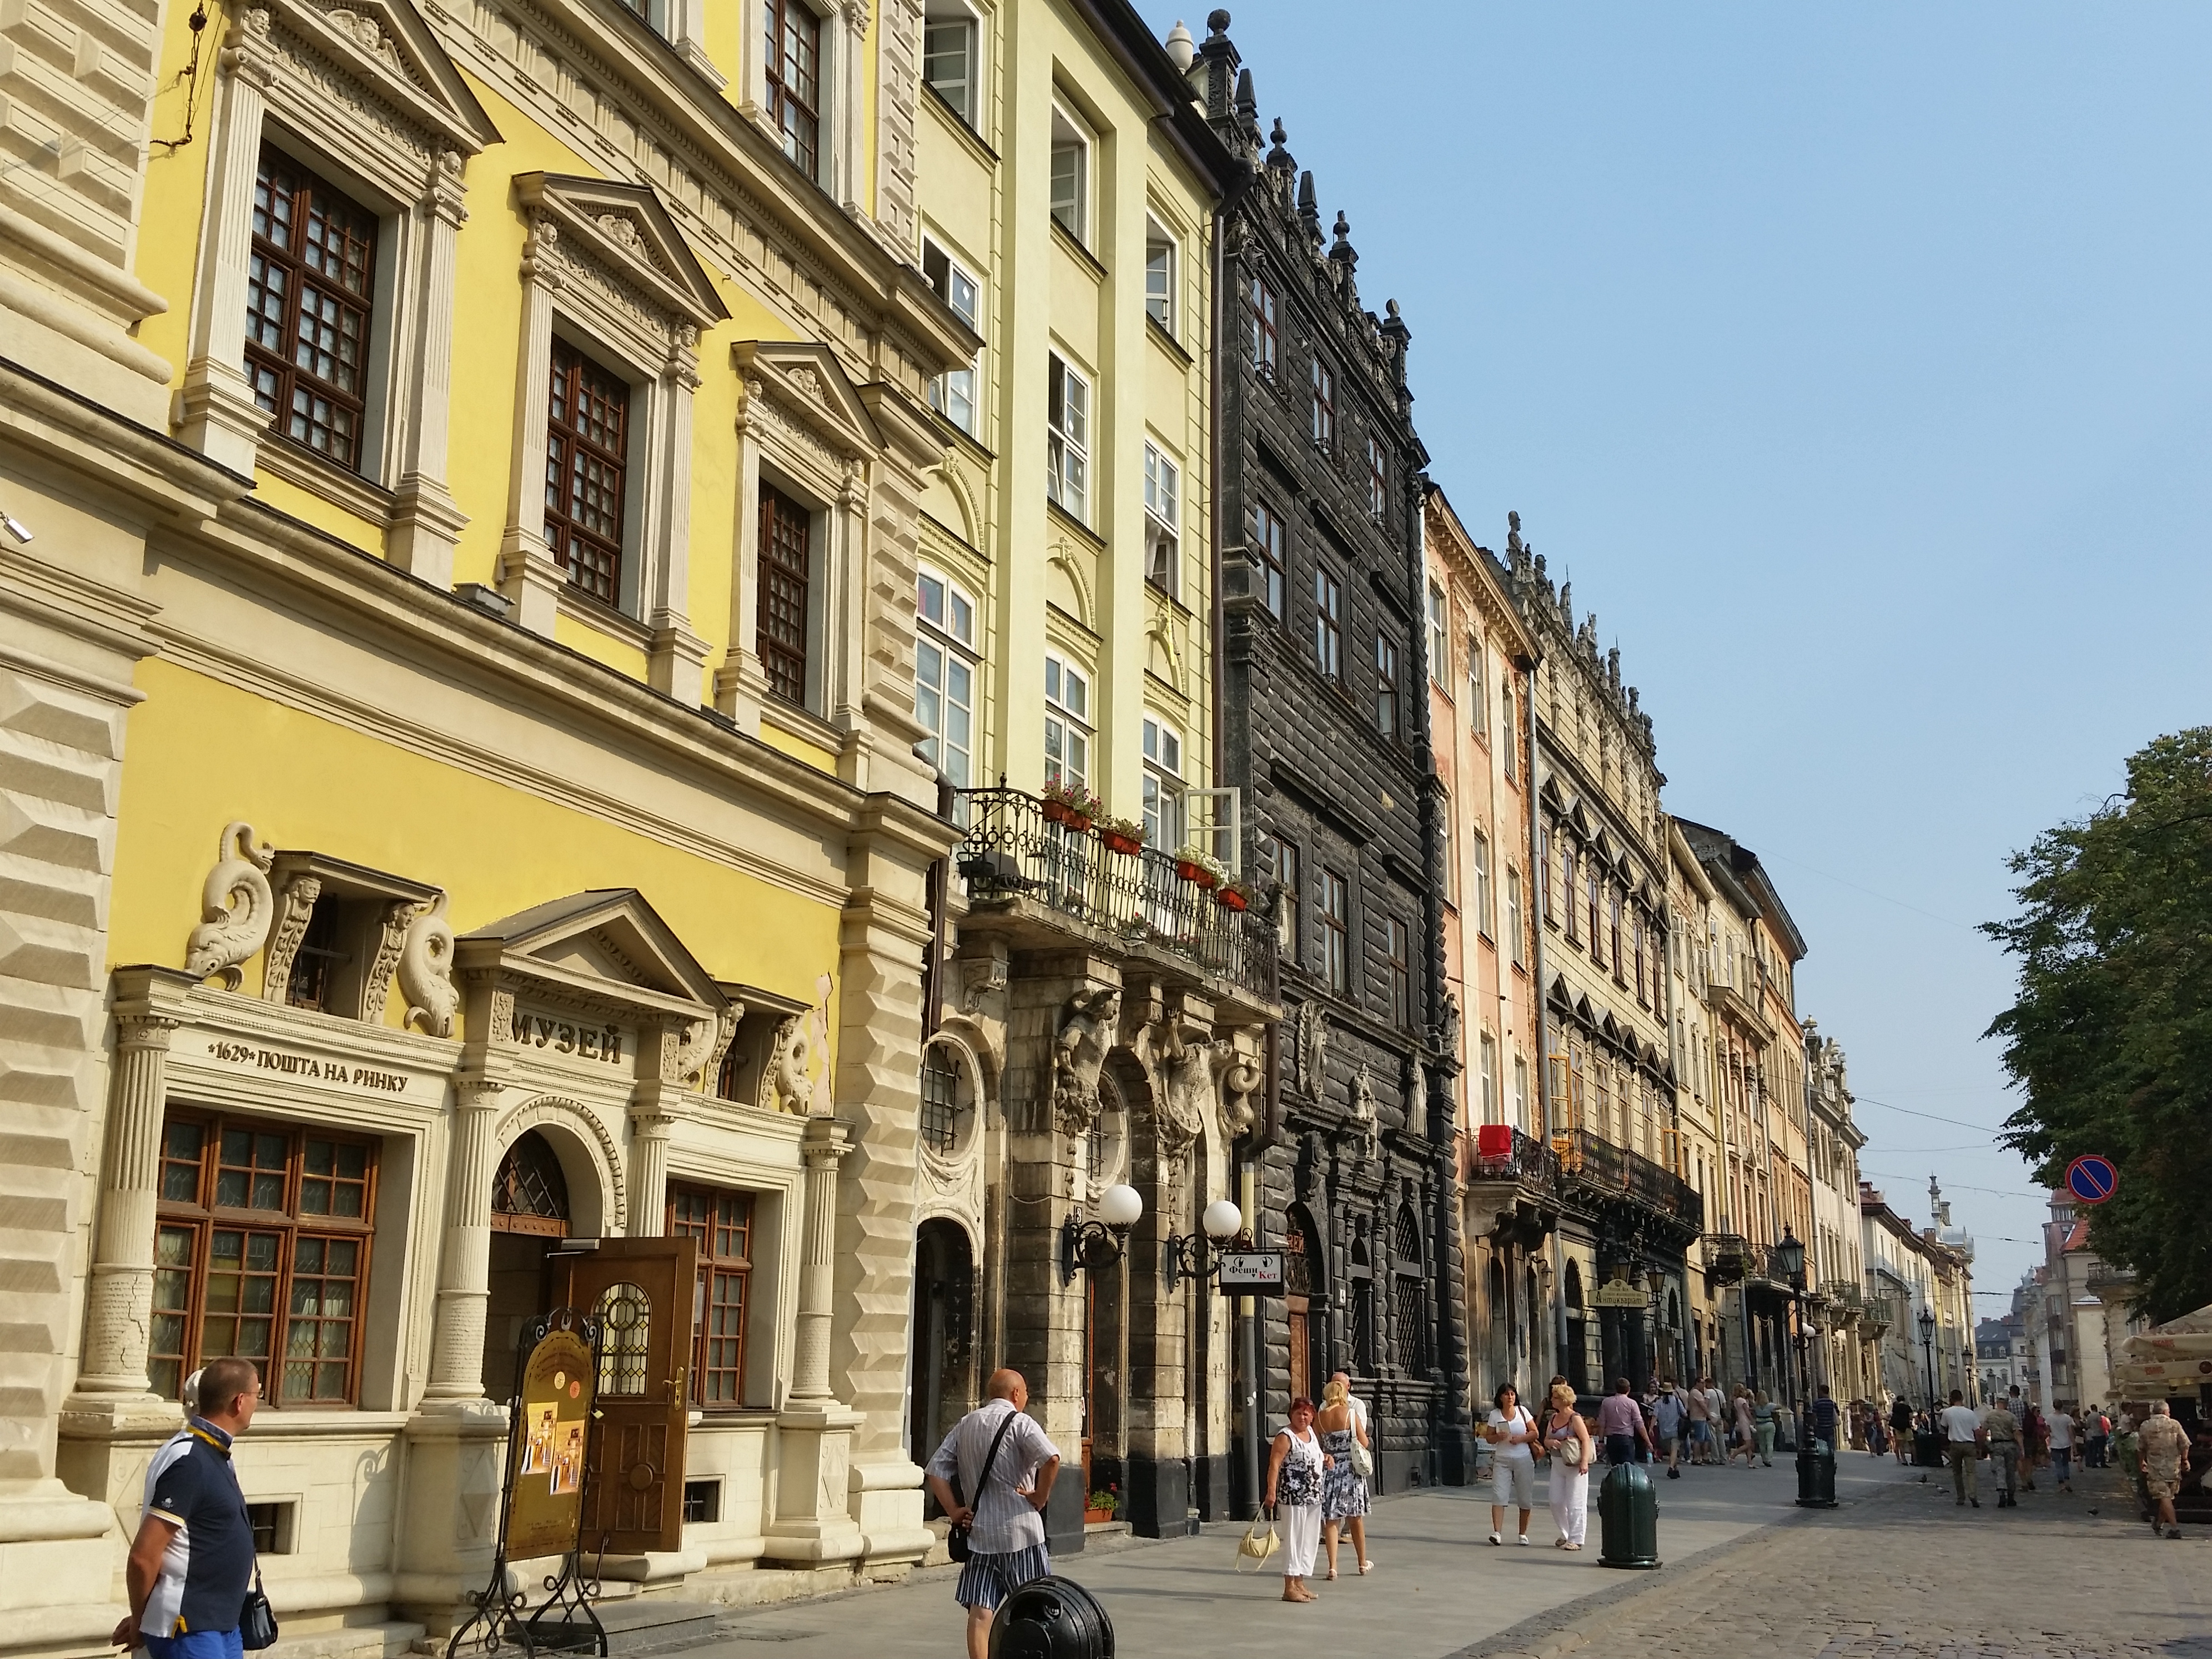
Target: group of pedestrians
{"x":2018,"y":1437}
{"x":1563,"y":1440}
{"x":1317,"y":1474}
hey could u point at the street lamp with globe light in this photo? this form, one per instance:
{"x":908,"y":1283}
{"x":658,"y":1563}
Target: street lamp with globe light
{"x":1185,"y":1257}
{"x":1928,"y":1345}
{"x":1098,"y":1244}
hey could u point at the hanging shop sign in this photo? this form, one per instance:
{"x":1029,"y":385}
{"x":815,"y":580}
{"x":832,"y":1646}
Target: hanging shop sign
{"x":1251,"y":1272}
{"x":1619,"y":1293}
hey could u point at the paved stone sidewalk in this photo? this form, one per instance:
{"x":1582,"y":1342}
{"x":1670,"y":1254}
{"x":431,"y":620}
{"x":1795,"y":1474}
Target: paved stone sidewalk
{"x":1439,"y":1587}
{"x":1905,"y":1574}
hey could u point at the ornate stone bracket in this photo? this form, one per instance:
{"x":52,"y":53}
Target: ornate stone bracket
{"x":1239,"y":1076}
{"x":426,"y":969}
{"x":236,"y":906}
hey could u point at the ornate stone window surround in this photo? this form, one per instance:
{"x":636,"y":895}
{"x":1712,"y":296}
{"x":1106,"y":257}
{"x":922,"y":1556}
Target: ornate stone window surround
{"x":363,"y":95}
{"x":605,"y":268}
{"x":844,"y":33}
{"x":801,"y":427}
{"x":771,"y":1169}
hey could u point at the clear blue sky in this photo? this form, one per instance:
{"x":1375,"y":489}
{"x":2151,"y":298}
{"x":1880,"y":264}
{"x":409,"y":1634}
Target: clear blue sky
{"x":1856,"y":362}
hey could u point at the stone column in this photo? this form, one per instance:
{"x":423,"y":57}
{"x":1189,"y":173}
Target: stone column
{"x":526,"y":574}
{"x":813,"y":1526}
{"x":148,"y":1008}
{"x":217,"y":413}
{"x":464,"y":1264}
{"x":649,"y":1172}
{"x":427,"y":522}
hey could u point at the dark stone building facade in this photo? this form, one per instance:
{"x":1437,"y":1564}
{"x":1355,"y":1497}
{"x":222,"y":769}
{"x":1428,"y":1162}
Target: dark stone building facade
{"x":1325,"y":728}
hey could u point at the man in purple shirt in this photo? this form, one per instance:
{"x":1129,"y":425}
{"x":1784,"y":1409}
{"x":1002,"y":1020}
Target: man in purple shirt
{"x":1620,"y":1421}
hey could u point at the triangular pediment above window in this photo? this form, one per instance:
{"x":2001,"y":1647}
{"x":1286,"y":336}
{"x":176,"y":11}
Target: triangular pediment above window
{"x":385,"y":45}
{"x":606,"y":946}
{"x":627,"y":229}
{"x":803,"y":383}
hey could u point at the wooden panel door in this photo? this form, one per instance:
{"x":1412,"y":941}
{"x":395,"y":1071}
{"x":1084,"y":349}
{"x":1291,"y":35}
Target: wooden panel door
{"x":641,"y":1290}
{"x":1301,"y":1379}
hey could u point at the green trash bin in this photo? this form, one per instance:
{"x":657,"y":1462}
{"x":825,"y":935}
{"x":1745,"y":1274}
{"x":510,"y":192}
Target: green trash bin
{"x":1628,"y":1518}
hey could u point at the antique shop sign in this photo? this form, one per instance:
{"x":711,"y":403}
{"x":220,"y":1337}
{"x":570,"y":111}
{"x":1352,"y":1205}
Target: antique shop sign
{"x":546,"y":1441}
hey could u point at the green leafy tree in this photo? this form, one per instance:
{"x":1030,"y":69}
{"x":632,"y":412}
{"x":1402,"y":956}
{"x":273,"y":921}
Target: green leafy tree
{"x":2111,"y":1040}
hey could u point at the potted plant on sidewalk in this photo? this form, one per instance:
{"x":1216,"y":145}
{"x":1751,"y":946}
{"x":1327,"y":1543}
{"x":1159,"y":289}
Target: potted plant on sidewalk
{"x":1101,"y":1505}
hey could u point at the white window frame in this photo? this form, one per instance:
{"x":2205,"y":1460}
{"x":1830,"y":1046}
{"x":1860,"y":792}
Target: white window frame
{"x":955,"y":649}
{"x":1485,"y":923}
{"x":948,"y":16}
{"x":1225,"y":830}
{"x":1451,"y":846}
{"x":1514,"y":920}
{"x":1487,"y":1065}
{"x":1163,"y":521}
{"x":955,"y":393}
{"x":1521,"y":1092}
{"x":1164,"y":812}
{"x":1066,"y":718}
{"x":1477,"y":690}
{"x":1067,"y":437}
{"x":1162,"y":270}
{"x":1074,"y":145}
{"x":1378,"y":480}
{"x":1439,"y":637}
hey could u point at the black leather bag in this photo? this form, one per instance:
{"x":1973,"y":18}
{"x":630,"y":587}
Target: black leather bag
{"x":955,"y":1541}
{"x":256,"y":1620}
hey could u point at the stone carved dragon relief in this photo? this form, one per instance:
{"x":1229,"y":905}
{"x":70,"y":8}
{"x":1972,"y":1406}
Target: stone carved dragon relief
{"x":1239,"y":1077}
{"x":426,"y":973}
{"x":1078,"y":1052}
{"x":236,"y":906}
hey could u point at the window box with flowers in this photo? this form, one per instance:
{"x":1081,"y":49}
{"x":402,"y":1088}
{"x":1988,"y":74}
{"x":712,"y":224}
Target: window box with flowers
{"x":1124,"y":835}
{"x":1071,"y":804}
{"x":1200,"y":867}
{"x":1233,"y":896}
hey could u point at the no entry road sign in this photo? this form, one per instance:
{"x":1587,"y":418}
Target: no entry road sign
{"x":2091,"y":1179}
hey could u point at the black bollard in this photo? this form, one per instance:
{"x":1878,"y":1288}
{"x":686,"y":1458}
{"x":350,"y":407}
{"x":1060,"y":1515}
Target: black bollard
{"x":1051,"y":1619}
{"x":1628,"y":1518}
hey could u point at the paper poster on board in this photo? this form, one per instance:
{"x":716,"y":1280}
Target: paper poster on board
{"x":551,"y":1435}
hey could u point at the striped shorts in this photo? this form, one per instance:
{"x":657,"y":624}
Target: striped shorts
{"x":987,"y":1580}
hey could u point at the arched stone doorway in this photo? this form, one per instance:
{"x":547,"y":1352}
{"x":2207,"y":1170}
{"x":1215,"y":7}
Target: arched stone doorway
{"x":530,"y":1216}
{"x":942,"y":1382}
{"x":1305,"y":1285}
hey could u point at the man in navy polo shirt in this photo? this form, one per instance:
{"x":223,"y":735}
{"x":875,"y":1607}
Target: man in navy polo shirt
{"x":192,"y":1561}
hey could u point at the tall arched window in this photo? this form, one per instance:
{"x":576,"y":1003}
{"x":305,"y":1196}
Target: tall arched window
{"x":1410,"y":1301}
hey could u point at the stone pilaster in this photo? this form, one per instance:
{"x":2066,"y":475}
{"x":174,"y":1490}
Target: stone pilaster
{"x":813,"y":1524}
{"x":426,"y":522}
{"x":148,"y":1008}
{"x":526,"y":574}
{"x":464,"y":1263}
{"x":677,"y":662}
{"x":215,"y":412}
{"x":649,"y":1172}
{"x":740,"y":681}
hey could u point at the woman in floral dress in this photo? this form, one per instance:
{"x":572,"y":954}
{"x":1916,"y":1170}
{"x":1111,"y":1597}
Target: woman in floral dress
{"x":1343,"y":1488}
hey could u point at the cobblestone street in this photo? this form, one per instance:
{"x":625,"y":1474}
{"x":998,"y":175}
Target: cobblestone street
{"x":1897,"y":1572}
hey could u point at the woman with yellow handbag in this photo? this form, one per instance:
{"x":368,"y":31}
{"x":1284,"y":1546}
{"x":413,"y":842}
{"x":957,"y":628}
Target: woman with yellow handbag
{"x":1295,"y":1468}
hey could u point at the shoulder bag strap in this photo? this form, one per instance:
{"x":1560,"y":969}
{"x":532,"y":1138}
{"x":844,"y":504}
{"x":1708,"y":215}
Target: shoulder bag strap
{"x":983,"y":1480}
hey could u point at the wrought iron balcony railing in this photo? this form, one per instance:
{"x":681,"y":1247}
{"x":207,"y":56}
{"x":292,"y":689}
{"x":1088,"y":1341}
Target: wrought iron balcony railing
{"x":1012,"y":850}
{"x":1727,"y":1257}
{"x":1600,"y":1164}
{"x":1523,"y":1158}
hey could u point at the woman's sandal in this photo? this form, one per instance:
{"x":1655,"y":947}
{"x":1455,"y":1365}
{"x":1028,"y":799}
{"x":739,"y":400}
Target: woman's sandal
{"x":1331,"y":1573}
{"x":1366,"y":1567}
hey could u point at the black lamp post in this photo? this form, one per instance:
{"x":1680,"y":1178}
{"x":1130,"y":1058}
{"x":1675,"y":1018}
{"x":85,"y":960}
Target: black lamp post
{"x":1928,"y":1346}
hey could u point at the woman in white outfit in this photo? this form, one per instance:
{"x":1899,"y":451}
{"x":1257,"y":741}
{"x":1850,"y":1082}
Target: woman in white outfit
{"x":1295,"y":1468}
{"x":1567,"y":1438}
{"x":1512,"y":1435}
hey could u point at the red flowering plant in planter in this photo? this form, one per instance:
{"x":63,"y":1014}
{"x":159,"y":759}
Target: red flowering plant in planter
{"x":1233,"y":896}
{"x":1070,"y":803}
{"x":1200,"y":867}
{"x":1124,"y":835}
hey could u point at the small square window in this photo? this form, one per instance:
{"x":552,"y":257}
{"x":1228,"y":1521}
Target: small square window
{"x":702,"y":1502}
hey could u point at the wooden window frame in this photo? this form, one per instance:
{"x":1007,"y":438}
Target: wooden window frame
{"x":1390,"y":717}
{"x":1324,"y":407}
{"x":706,"y":1234}
{"x":1334,"y":905}
{"x":201,"y":1216}
{"x":278,"y":377}
{"x":1378,"y":480}
{"x":1271,"y":539}
{"x":589,"y":560}
{"x":792,"y":102}
{"x":1397,"y":955}
{"x":1264,"y":310}
{"x":785,"y":581}
{"x":1328,"y":623}
{"x":1289,"y":870}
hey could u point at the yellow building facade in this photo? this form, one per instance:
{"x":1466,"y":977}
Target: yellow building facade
{"x":464,"y":471}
